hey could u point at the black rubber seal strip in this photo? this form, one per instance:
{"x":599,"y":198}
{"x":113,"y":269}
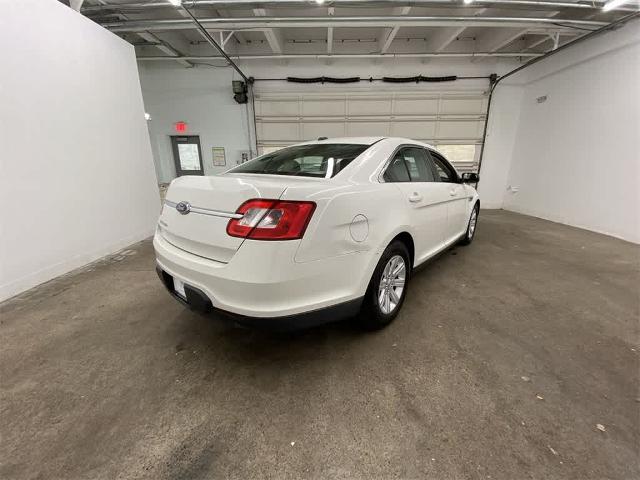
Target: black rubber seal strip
{"x":323,"y":80}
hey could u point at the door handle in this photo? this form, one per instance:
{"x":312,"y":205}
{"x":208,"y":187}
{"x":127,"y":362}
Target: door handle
{"x":453,"y":193}
{"x":415,"y":197}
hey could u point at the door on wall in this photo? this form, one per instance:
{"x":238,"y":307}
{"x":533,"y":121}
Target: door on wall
{"x":187,"y":155}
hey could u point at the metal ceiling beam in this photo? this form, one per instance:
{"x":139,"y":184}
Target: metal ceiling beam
{"x":503,"y":38}
{"x":160,"y":44}
{"x":238,"y":35}
{"x":543,"y":39}
{"x":351,"y":55}
{"x":330,"y":12}
{"x":390,"y":33}
{"x":506,"y":36}
{"x":250,"y":4}
{"x":259,"y":23}
{"x":164,"y":47}
{"x":203,"y":31}
{"x":273,"y":38}
{"x":442,"y":39}
{"x":446,"y":36}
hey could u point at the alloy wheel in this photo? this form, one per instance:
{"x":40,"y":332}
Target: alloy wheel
{"x":472,"y":223}
{"x":392,"y":284}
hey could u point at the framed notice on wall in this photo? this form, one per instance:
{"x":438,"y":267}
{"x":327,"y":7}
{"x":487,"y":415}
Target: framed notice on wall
{"x":218,"y":157}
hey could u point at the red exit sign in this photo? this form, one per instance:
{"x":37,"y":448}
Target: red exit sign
{"x":180,"y":127}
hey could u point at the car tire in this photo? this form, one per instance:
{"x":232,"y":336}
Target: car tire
{"x":471,"y":225}
{"x":384,"y":298}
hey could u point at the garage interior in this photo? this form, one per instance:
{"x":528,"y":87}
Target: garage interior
{"x":514,"y":357}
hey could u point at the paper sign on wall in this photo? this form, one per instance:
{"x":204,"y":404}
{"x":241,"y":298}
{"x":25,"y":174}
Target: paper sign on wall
{"x":189,"y":156}
{"x":218,"y":157}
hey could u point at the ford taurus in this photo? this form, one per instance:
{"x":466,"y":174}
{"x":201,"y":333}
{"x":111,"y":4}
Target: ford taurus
{"x":313,"y":232}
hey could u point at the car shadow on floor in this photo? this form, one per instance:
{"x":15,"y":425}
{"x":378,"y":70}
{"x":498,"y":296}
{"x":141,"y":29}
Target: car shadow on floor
{"x":215,"y":336}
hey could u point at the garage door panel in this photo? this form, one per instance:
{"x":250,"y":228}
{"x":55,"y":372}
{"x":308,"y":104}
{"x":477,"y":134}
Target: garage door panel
{"x":450,"y":117}
{"x":416,"y":106}
{"x":366,"y":129}
{"x":284,"y":107}
{"x":416,"y":130}
{"x":362,"y":106}
{"x":462,"y":106}
{"x":313,"y":130}
{"x":280,"y":131}
{"x":457,"y":130}
{"x":324,"y":107}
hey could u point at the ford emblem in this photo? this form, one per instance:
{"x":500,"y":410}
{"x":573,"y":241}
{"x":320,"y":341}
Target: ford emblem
{"x":183,"y":208}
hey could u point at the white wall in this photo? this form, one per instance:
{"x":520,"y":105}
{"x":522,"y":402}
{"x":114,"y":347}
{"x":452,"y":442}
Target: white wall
{"x":202,"y":96}
{"x":575,"y":158}
{"x":500,"y":141}
{"x":77,"y":179}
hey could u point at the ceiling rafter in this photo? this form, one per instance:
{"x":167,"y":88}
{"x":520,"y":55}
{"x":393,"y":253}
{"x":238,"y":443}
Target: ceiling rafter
{"x":508,"y":36}
{"x":389,"y":33}
{"x":330,"y":12}
{"x":160,"y":44}
{"x":446,"y":37}
{"x":353,"y":55}
{"x":248,"y":4}
{"x":164,"y":47}
{"x":494,"y":26}
{"x":264,"y":22}
{"x":273,"y":38}
{"x":237,"y":35}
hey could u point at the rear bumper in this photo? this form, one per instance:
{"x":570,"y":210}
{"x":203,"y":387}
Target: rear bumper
{"x":198,"y":301}
{"x":262,"y":281}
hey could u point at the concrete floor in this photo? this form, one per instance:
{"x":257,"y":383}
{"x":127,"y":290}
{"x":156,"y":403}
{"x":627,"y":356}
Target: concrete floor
{"x":505,"y":357}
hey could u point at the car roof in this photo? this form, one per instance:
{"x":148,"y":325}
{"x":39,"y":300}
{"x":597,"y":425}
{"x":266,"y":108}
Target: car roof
{"x":366,"y":141}
{"x":354,"y":140}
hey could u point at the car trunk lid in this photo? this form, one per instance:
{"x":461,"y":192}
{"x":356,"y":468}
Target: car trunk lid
{"x":212,"y":201}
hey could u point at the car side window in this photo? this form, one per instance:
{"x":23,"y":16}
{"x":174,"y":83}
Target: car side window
{"x":442,"y":169}
{"x":396,"y":171}
{"x":414,"y":162}
{"x":417,"y":164}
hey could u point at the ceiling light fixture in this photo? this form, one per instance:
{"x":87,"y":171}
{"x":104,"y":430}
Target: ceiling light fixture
{"x":611,"y":4}
{"x":319,"y":2}
{"x":467,"y":2}
{"x":176,"y":3}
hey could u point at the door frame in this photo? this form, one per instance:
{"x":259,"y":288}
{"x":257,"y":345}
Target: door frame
{"x":176,"y":157}
{"x":457,"y":216}
{"x":429,"y":211}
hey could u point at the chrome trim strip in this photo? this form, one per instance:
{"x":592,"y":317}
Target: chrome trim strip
{"x":206,"y":211}
{"x":215,"y":213}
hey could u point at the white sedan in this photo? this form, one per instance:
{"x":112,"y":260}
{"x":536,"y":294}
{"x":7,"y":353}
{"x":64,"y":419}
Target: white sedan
{"x":313,"y":232}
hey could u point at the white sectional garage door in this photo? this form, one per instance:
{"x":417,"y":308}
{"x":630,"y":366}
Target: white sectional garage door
{"x":453,"y":122}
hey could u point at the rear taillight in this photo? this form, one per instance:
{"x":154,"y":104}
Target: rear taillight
{"x":271,"y":219}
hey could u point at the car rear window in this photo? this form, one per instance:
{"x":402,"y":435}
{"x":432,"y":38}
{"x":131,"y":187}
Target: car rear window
{"x":323,"y":160}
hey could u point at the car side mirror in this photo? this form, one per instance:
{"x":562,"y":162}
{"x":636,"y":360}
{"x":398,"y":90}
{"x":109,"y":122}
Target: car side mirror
{"x":470,"y":177}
